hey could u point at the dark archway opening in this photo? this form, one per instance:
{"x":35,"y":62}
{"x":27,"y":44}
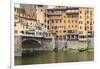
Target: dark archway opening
{"x":28,"y":47}
{"x":30,"y":44}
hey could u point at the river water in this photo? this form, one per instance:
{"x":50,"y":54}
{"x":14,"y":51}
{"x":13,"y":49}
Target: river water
{"x":54,"y":57}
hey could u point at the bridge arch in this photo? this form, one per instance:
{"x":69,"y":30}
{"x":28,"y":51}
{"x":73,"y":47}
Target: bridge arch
{"x":30,"y":43}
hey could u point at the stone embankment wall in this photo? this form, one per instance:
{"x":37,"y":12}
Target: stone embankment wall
{"x":80,"y":44}
{"x":75,"y":44}
{"x":51,"y":44}
{"x":60,"y":44}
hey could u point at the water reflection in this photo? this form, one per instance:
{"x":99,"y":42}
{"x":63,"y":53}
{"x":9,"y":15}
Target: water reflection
{"x":54,"y":57}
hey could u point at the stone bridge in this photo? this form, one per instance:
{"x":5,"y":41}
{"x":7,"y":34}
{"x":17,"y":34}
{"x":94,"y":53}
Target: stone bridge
{"x":23,"y":43}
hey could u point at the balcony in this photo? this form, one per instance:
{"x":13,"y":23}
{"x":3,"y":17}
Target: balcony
{"x":54,"y":13}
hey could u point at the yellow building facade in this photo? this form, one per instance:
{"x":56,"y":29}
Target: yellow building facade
{"x":57,"y":22}
{"x":73,"y":23}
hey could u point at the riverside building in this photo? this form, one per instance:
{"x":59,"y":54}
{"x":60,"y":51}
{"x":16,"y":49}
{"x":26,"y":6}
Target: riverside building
{"x":71,"y":23}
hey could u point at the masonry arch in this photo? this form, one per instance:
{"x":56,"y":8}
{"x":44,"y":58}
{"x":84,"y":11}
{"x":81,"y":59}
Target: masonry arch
{"x":30,"y":43}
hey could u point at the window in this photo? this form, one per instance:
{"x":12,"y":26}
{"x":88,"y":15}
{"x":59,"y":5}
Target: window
{"x":41,"y":10}
{"x":52,"y":21}
{"x":15,"y":24}
{"x":48,"y":21}
{"x":91,"y":13}
{"x":48,"y":27}
{"x":69,"y":31}
{"x":52,"y":11}
{"x":33,"y":33}
{"x":80,"y":17}
{"x":57,"y":31}
{"x":60,"y":21}
{"x":85,"y":28}
{"x":68,"y":16}
{"x":82,"y":36}
{"x":80,"y":27}
{"x":87,"y":11}
{"x":72,"y":26}
{"x":45,"y":26}
{"x":60,"y":35}
{"x":60,"y":26}
{"x":52,"y":27}
{"x":76,"y":26}
{"x":26,"y":27}
{"x":45,"y":20}
{"x":80,"y":22}
{"x":80,"y":11}
{"x":76,"y":21}
{"x":64,"y":16}
{"x":68,"y":26}
{"x":56,"y":21}
{"x":31,"y":24}
{"x":87,"y":22}
{"x":64,"y":21}
{"x":64,"y":31}
{"x":55,"y":27}
{"x":22,"y":32}
{"x":42,"y":24}
{"x":40,"y":33}
{"x":68,"y":21}
{"x":72,"y":21}
{"x":87,"y":16}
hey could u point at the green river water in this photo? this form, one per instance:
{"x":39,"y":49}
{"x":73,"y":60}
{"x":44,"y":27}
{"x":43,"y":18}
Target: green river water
{"x":54,"y":57}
